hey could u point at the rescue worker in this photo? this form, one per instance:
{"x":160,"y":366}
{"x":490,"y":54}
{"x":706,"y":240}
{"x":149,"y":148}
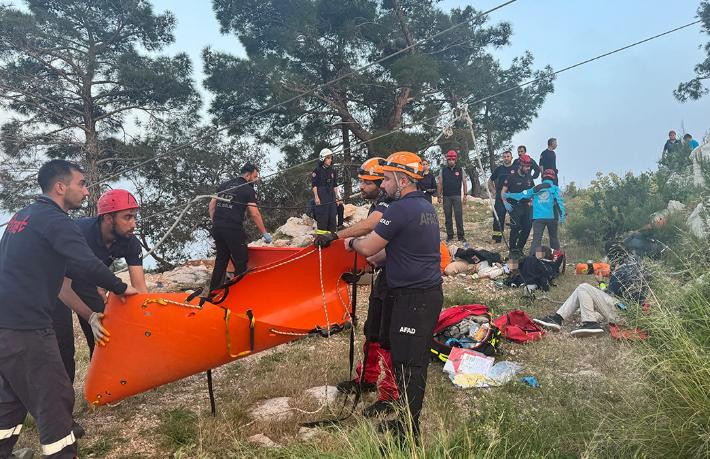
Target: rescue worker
{"x":495,"y":185}
{"x":452,"y":180}
{"x":548,"y":210}
{"x":409,"y":231}
{"x":34,"y":250}
{"x":110,"y":236}
{"x":236,"y":197}
{"x":376,"y":348}
{"x":428,"y":182}
{"x":534,"y":167}
{"x":325,"y":192}
{"x":519,"y":210}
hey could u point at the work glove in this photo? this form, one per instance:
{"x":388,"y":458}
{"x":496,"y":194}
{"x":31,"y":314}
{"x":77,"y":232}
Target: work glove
{"x":323,"y":239}
{"x":100,"y":333}
{"x":267,"y":238}
{"x":508,"y":206}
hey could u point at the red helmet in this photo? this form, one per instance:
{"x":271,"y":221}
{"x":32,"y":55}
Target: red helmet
{"x":549,"y":174}
{"x":116,"y":201}
{"x":525,"y":160}
{"x":451,"y":154}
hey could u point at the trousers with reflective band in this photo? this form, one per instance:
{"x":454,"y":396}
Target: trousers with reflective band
{"x":33,"y":379}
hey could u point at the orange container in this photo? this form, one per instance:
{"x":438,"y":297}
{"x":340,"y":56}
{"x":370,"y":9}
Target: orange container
{"x":159,"y":338}
{"x":594,"y":268}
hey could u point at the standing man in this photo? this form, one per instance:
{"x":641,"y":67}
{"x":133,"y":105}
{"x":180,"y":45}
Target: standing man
{"x":427,"y":184}
{"x":409,"y":231}
{"x":110,"y":236}
{"x":325,"y":192}
{"x":452,"y":181}
{"x":34,"y":250}
{"x":534,"y":168}
{"x":548,"y":158}
{"x":671,"y":144}
{"x":495,"y":185}
{"x":234,"y":198}
{"x":519,"y":210}
{"x":376,"y":373}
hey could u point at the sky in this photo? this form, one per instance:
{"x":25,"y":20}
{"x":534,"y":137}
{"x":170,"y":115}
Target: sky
{"x":612,"y":115}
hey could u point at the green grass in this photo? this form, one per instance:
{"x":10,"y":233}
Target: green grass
{"x":178,"y":428}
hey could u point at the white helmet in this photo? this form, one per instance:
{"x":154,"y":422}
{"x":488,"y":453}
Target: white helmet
{"x":324,"y":153}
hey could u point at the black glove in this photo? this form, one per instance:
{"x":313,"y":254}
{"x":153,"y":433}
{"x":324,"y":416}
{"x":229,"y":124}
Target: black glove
{"x":323,"y":240}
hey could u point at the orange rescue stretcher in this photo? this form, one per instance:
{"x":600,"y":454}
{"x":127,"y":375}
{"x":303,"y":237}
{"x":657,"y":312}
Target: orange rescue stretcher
{"x":157,"y":338}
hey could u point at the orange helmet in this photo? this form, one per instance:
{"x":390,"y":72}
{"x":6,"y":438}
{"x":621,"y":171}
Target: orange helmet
{"x":371,"y":169}
{"x":404,"y":161}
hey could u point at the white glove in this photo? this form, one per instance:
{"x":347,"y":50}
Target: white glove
{"x":100,"y":333}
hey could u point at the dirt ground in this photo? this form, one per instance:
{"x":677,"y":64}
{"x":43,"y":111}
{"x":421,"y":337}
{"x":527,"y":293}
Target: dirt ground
{"x":175,"y":420}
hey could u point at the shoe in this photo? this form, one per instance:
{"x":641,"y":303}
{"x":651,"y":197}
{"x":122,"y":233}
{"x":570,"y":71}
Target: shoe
{"x":587,"y":329}
{"x":553,"y":322}
{"x":352,"y":386}
{"x":379,"y":408}
{"x":497,"y":239}
{"x":78,"y":430}
{"x":462,"y":239}
{"x":23,"y":453}
{"x":450,"y":239}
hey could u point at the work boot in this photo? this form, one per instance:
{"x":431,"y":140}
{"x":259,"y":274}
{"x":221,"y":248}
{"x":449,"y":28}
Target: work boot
{"x":379,"y":408}
{"x":553,"y":321}
{"x":587,"y":329}
{"x":23,"y":453}
{"x":497,"y":239}
{"x":352,"y":386}
{"x":78,"y":430}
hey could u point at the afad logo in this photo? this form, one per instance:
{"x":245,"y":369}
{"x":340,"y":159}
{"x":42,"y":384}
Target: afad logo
{"x":16,"y":225}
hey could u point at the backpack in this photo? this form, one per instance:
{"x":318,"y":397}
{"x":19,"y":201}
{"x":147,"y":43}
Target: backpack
{"x":488,"y":334}
{"x":517,"y":326}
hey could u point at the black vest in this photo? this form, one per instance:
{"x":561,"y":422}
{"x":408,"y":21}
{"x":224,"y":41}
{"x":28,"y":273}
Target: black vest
{"x":451,"y":182}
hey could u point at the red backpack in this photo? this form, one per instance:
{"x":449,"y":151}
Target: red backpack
{"x":517,"y":326}
{"x":456,"y":314}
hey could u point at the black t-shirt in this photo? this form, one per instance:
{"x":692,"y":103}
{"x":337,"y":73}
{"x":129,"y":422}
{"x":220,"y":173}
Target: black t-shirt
{"x":127,"y":248}
{"x":380,"y":205}
{"x":427,"y":184}
{"x":411,"y":227}
{"x":231,"y":214}
{"x":499,"y":175}
{"x":517,"y":183}
{"x":548,"y":160}
{"x":534,"y":168}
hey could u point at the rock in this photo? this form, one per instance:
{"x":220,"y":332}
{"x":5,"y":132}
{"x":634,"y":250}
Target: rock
{"x":263,"y":440}
{"x":324,"y":394}
{"x":190,"y":276}
{"x":294,"y":227}
{"x":306,"y":434}
{"x":698,"y":222}
{"x":349,"y":210}
{"x":661,"y":217}
{"x":359,"y":214}
{"x":273,"y":409}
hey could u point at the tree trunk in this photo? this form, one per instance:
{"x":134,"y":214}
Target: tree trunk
{"x":489,"y":141}
{"x":347,"y":160}
{"x":91,"y":172}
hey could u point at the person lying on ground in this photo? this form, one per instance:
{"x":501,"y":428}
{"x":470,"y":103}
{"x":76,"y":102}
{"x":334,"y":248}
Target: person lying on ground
{"x":535,"y":271}
{"x":596,"y":305}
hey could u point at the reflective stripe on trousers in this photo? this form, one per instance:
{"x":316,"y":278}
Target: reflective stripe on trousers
{"x":57,"y":446}
{"x":7,"y":433}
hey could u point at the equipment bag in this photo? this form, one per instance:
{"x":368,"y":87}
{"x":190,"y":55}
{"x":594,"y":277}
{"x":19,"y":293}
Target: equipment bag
{"x":517,"y":326}
{"x":486,"y":340}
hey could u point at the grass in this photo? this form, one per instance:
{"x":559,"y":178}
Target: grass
{"x":598,"y":397}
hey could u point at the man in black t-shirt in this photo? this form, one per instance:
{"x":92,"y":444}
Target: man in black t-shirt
{"x":535,"y":170}
{"x":236,"y":197}
{"x":110,"y":236}
{"x":548,"y":158}
{"x":520,"y":211}
{"x":495,"y":185}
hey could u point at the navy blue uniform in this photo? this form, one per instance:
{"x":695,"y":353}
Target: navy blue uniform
{"x":230,"y":239}
{"x":38,"y":242}
{"x":324,"y":179}
{"x":411,"y":227}
{"x":521,"y":215}
{"x":127,"y":248}
{"x":451,"y":186}
{"x":498,"y":177}
{"x":427,"y":184}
